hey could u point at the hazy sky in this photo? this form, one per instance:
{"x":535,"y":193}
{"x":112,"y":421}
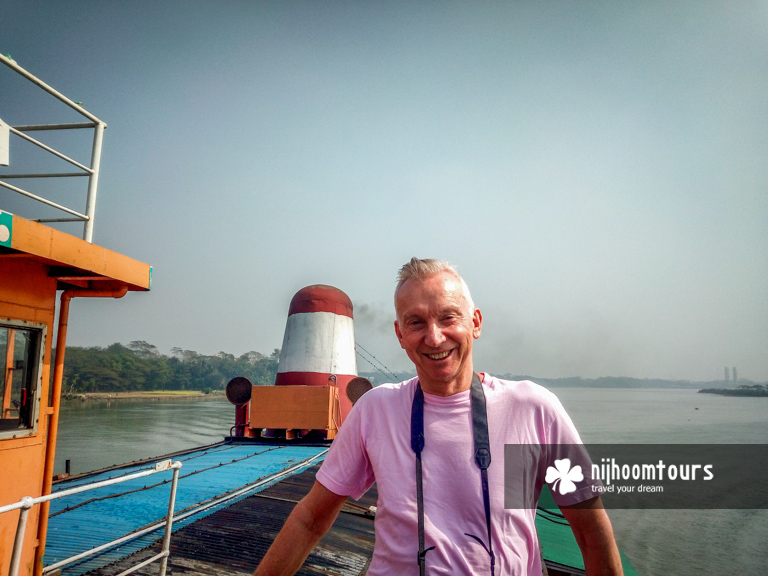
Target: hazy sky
{"x":597,"y":170}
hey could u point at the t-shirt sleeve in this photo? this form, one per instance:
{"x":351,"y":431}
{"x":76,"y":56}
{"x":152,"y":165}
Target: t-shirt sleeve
{"x":565,"y":442}
{"x":346,"y":470}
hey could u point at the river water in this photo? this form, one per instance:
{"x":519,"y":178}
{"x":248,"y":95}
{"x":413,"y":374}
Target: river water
{"x":97,"y":434}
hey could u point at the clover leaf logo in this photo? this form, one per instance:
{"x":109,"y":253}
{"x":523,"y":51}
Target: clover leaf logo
{"x":563,"y":473}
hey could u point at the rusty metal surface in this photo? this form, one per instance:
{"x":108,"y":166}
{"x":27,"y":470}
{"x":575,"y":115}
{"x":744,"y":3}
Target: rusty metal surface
{"x":232,"y":541}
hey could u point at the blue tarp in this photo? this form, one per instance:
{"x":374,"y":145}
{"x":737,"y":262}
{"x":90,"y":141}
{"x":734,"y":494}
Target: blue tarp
{"x":204,"y":475}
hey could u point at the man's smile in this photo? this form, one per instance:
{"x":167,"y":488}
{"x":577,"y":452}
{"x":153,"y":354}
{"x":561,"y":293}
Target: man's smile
{"x":439,"y":355}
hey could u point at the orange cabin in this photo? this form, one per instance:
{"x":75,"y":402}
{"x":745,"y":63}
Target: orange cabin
{"x":36,"y":261}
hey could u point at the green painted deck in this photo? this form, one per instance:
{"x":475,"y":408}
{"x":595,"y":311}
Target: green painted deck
{"x":557,"y":541}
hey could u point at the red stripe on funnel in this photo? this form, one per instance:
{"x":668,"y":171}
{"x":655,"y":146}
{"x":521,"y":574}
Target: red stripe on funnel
{"x":321,"y":298}
{"x":309,"y":379}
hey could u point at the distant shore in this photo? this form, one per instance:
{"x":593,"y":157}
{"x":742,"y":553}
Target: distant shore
{"x":751,"y":392}
{"x":142,"y":395}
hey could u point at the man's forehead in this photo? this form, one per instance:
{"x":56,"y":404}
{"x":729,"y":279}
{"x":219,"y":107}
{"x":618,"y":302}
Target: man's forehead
{"x":442,"y":290}
{"x":427,"y":308}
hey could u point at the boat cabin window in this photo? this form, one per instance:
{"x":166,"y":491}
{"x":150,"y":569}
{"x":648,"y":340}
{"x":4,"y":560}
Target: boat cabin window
{"x":21,"y":346}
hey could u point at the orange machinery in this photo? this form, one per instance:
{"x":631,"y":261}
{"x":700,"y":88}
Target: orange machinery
{"x":294,"y":411}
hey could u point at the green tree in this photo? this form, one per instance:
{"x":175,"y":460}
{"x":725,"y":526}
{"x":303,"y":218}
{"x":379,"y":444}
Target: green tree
{"x":140,"y":366}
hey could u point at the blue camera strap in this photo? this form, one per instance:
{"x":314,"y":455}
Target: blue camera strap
{"x":482,"y":459}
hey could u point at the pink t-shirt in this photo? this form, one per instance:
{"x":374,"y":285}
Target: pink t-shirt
{"x":374,"y":445}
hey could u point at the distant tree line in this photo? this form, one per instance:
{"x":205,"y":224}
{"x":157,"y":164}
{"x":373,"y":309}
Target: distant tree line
{"x":749,"y":387}
{"x":743,"y":390}
{"x":139,"y":366}
{"x":614,"y":382}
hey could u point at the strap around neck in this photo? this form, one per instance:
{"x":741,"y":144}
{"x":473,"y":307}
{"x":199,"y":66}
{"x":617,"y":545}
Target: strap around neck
{"x":482,"y":458}
{"x":480,"y":424}
{"x":482,"y":443}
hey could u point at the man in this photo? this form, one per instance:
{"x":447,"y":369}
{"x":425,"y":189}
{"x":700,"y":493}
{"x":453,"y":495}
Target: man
{"x":436,"y":326}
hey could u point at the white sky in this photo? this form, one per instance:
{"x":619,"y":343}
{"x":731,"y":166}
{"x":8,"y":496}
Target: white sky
{"x":597,"y":170}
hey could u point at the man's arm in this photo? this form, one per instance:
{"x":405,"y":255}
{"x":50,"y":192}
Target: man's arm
{"x":592,"y":529}
{"x":310,"y":519}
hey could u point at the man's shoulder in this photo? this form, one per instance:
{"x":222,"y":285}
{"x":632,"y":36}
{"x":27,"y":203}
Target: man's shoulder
{"x":397,"y":386}
{"x":519,"y":390}
{"x":538,"y":412}
{"x":390,"y":392}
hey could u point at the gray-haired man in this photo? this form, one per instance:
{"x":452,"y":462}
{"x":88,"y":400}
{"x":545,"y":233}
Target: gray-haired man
{"x":441,"y":506}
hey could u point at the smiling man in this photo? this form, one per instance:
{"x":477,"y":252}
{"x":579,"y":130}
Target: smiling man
{"x":434,"y":445}
{"x":436,"y":324}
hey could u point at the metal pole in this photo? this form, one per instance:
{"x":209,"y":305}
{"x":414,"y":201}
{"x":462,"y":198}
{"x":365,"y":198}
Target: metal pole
{"x":67,"y":126}
{"x":43,"y":200}
{"x":48,"y":149}
{"x":53,"y":420}
{"x":169,"y":520}
{"x":35,"y":80}
{"x":46,"y":175}
{"x":141,"y":565}
{"x":53,"y":424}
{"x":93,"y":181}
{"x":19,"y":541}
{"x":78,"y":489}
{"x":57,"y":220}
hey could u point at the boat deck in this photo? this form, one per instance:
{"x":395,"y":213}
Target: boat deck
{"x":230,"y":506}
{"x":210,"y":479}
{"x":233,"y":540}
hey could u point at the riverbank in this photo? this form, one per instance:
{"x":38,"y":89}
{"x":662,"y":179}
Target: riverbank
{"x":741,"y":391}
{"x":144,"y":395}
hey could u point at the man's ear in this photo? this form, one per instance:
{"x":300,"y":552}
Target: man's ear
{"x":399,"y":334}
{"x":477,"y":323}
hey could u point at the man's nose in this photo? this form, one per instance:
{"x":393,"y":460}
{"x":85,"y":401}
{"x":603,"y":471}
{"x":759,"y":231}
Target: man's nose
{"x":434,"y":336}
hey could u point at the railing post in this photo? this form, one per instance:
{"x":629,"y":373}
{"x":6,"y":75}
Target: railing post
{"x":169,"y":520}
{"x":93,"y":181}
{"x":18,"y":543}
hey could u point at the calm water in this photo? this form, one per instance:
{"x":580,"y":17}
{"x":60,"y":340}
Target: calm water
{"x":98,"y":433}
{"x":684,"y":542}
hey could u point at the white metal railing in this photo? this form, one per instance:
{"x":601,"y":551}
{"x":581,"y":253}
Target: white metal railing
{"x":211,"y":504}
{"x":26,"y":503}
{"x":91,"y":172}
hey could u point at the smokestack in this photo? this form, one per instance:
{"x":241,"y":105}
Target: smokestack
{"x":319,"y":343}
{"x":726,"y":375}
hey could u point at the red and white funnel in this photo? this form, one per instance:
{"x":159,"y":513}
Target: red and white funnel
{"x":319,"y":342}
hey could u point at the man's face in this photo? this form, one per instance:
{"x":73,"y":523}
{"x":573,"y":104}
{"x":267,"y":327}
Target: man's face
{"x":436,"y":326}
